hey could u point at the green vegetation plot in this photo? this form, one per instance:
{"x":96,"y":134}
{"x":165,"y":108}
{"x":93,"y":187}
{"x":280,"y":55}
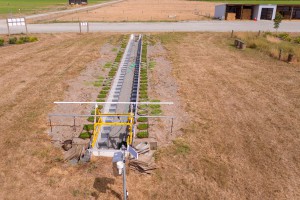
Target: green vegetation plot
{"x":33,"y":6}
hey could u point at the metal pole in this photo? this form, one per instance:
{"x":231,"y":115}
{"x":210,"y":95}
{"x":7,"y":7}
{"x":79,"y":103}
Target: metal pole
{"x":124,"y":174}
{"x":79,"y":27}
{"x":88,"y":27}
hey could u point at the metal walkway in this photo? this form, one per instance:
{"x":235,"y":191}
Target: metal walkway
{"x":124,"y":89}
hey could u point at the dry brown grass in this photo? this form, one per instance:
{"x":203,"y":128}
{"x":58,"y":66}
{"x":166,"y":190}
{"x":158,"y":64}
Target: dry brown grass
{"x":241,"y":140}
{"x":150,"y":10}
{"x":33,"y":76}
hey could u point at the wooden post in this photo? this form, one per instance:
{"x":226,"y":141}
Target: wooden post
{"x":232,"y":34}
{"x":26,"y":26}
{"x":280,"y":54}
{"x":258,"y":33}
{"x":172,"y":126}
{"x":291,"y":58}
{"x":242,"y":9}
{"x":8,"y":30}
{"x":79,"y":27}
{"x":292,"y":10}
{"x":88,"y":27}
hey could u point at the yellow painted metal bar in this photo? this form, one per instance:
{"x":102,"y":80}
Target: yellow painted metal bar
{"x":100,"y":123}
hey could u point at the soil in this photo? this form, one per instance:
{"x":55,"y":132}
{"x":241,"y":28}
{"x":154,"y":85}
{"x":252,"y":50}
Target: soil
{"x":163,"y":86}
{"x":80,"y":89}
{"x":150,"y":10}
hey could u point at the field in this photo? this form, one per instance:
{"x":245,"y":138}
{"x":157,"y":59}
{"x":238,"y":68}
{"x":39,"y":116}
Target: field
{"x":239,"y":120}
{"x":150,"y":10}
{"x":34,"y":6}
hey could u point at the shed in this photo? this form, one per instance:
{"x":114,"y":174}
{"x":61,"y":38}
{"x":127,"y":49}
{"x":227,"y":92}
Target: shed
{"x":245,"y":11}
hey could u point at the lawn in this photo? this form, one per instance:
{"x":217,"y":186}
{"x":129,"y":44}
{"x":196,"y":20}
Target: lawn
{"x":257,"y":1}
{"x":34,"y":6}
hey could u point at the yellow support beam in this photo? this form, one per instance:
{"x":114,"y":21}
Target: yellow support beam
{"x":100,"y":123}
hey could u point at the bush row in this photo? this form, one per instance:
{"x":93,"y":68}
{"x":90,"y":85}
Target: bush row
{"x":20,"y":40}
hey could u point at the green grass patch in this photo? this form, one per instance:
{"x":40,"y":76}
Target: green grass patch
{"x":142,"y":112}
{"x":152,"y":64}
{"x":100,"y":100}
{"x":156,"y":111}
{"x":143,"y":96}
{"x":85,"y":135}
{"x":103,"y":92}
{"x":142,"y":106}
{"x":143,"y":134}
{"x":97,"y":83}
{"x":102,"y":96}
{"x":105,"y":88}
{"x":154,"y":106}
{"x":34,"y":6}
{"x":143,"y":126}
{"x":142,"y":119}
{"x":181,"y":146}
{"x":88,"y":127}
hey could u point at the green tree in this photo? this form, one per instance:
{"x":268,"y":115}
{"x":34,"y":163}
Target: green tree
{"x":277,"y":20}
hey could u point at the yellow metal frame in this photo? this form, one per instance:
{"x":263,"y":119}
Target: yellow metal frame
{"x":100,"y":123}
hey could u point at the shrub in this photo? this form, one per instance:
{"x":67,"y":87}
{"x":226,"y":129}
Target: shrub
{"x":85,"y":135}
{"x":12,"y":40}
{"x":156,"y":111}
{"x":154,"y":106}
{"x":142,"y":119}
{"x":252,"y":45}
{"x":106,"y":88}
{"x":143,"y":126}
{"x":143,"y":134}
{"x":285,"y":37}
{"x":297,"y":40}
{"x":24,"y":39}
{"x":142,"y":112}
{"x":90,"y":119}
{"x":88,"y":127}
{"x":100,"y":100}
{"x":20,"y":42}
{"x":102,"y":96}
{"x":143,"y":106}
{"x":103,"y":91}
{"x":1,"y":42}
{"x":33,"y":39}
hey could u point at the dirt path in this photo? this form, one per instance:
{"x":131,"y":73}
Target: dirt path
{"x":150,"y":10}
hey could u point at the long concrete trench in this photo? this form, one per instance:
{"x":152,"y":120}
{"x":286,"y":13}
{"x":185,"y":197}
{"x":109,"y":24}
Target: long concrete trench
{"x":124,"y":89}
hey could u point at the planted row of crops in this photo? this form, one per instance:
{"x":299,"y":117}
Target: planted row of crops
{"x":105,"y":84}
{"x":19,"y":40}
{"x":144,"y":110}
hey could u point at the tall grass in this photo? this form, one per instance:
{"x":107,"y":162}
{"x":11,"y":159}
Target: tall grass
{"x":270,"y":44}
